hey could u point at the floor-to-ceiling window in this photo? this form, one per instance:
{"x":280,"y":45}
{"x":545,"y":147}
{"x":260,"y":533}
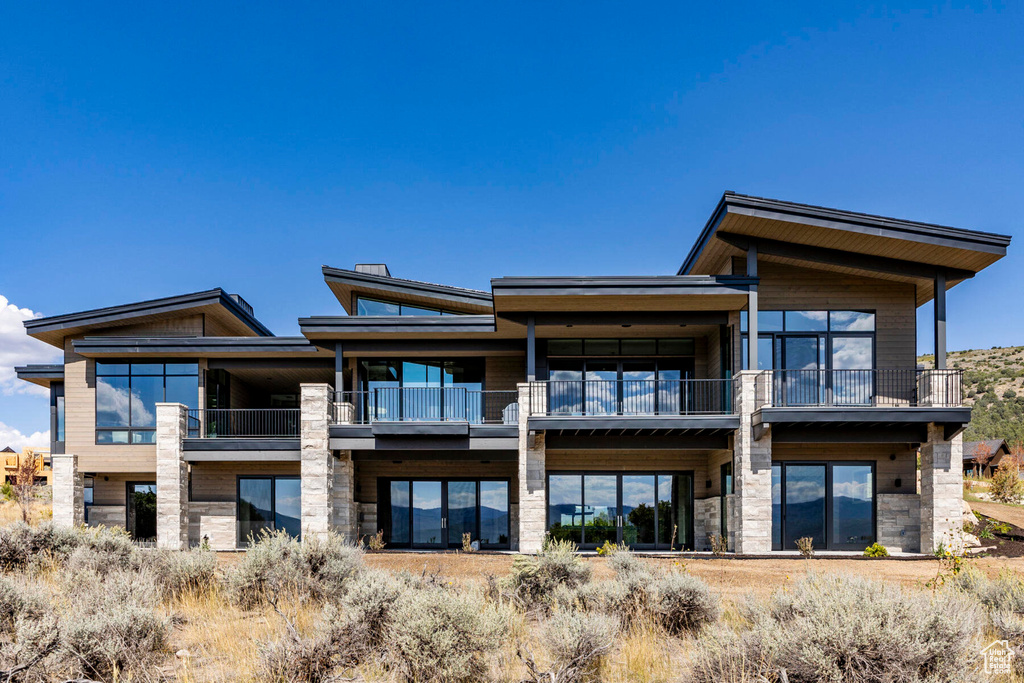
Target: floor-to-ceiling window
{"x":423,"y":390}
{"x":442,"y":513}
{"x":642,"y":509}
{"x":127,"y":394}
{"x":268,"y":503}
{"x":833,"y":504}
{"x":141,"y":517}
{"x":822,"y":356}
{"x":625,"y":377}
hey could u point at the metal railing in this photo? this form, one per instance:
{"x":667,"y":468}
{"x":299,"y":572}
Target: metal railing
{"x":866,"y":388}
{"x":426,"y":404}
{"x":631,"y":397}
{"x":269,"y":423}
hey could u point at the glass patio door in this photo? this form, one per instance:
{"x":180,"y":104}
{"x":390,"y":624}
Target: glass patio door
{"x":461,"y":512}
{"x":437,"y":513}
{"x":832,"y":503}
{"x":801,"y":361}
{"x":142,"y":511}
{"x":427,"y":515}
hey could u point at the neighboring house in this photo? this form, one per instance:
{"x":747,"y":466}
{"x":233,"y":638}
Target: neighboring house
{"x":11,"y":460}
{"x":605,"y":408}
{"x":981,"y":458}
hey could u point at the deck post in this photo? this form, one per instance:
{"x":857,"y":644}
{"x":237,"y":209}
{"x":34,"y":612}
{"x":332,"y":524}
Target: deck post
{"x":533,"y":500}
{"x":752,"y":363}
{"x":940,"y":319}
{"x":751,"y":517}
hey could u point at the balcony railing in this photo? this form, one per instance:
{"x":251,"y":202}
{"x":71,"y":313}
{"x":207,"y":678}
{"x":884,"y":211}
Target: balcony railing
{"x":426,"y":404}
{"x":245,"y":423}
{"x":863,"y":388}
{"x":631,"y":397}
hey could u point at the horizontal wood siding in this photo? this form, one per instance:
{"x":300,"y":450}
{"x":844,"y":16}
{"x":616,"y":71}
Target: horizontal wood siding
{"x":504,"y":372}
{"x":216,"y":481}
{"x":887,"y":470}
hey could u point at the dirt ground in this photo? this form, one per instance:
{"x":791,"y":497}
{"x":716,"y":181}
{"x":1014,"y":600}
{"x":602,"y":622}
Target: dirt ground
{"x":731,"y":578}
{"x":1013,"y":514}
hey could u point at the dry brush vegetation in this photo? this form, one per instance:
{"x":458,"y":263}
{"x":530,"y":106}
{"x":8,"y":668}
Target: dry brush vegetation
{"x":86,"y":604}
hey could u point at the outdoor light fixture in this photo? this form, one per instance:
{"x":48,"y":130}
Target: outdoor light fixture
{"x":707,"y":484}
{"x":892,"y":456}
{"x":898,"y":482}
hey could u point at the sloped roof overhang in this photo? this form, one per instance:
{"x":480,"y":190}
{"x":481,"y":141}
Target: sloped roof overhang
{"x":346,"y":283}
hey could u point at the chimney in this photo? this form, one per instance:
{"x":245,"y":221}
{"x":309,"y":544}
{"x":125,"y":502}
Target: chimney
{"x":237,"y":298}
{"x":373,"y":269}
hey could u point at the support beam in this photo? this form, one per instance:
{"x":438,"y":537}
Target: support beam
{"x":752,"y":309}
{"x":339,"y":367}
{"x":531,"y":351}
{"x":940,"y":319}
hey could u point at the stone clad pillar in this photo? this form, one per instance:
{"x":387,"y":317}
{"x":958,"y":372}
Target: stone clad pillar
{"x":68,"y":491}
{"x":752,"y":470}
{"x":346,"y":518}
{"x":942,"y":481}
{"x":317,"y":462}
{"x":171,"y":477}
{"x":533,"y":499}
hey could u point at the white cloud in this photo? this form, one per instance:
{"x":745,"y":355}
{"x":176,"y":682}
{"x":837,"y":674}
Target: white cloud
{"x":9,"y":436}
{"x":17,"y":348}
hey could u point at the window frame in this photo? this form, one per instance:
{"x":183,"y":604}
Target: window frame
{"x":828,"y":465}
{"x":439,"y":310}
{"x":130,"y":429}
{"x":825,"y":338}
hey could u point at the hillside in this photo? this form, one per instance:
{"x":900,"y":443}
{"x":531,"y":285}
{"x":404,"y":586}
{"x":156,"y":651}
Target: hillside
{"x":994,"y":380}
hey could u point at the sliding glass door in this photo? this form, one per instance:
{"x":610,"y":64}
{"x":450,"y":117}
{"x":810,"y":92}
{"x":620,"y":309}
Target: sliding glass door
{"x":438,"y":513}
{"x":643,"y":510}
{"x":268,"y":503}
{"x":831,"y":503}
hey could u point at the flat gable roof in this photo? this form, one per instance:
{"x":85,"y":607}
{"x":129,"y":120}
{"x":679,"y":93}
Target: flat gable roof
{"x":346,"y":283}
{"x":53,"y":329}
{"x":834,"y":232}
{"x":43,"y":375}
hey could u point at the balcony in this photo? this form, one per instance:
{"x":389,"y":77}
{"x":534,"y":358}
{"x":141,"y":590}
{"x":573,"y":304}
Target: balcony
{"x":243,"y":423}
{"x":861,"y":389}
{"x":426,"y":404}
{"x":859,"y":406}
{"x":649,"y":398}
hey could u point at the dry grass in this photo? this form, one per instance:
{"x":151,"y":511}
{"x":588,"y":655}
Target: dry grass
{"x":10,"y":512}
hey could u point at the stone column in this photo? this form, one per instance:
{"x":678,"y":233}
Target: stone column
{"x":68,"y":491}
{"x":317,"y":463}
{"x":346,"y":516}
{"x":941,"y":490}
{"x":533,"y":499}
{"x":752,"y":471}
{"x":171,"y":477}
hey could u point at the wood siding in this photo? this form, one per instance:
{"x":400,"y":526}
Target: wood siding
{"x":504,"y":372}
{"x":216,"y":482}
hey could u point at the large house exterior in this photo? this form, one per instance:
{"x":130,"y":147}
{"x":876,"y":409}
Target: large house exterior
{"x":766,"y":392}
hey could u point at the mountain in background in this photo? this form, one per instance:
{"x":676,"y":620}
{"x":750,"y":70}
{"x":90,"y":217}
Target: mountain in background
{"x":994,"y":384}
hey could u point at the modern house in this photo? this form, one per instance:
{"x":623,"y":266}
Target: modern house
{"x":765,"y":392}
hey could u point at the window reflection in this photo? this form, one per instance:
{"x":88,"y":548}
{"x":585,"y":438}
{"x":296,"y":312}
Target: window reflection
{"x":127,"y":394}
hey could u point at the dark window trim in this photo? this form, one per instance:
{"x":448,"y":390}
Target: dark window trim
{"x":829,"y":464}
{"x":401,"y":305}
{"x":129,"y":502}
{"x":242,"y":542}
{"x":618,"y":497}
{"x":384,"y":485}
{"x":135,"y":361}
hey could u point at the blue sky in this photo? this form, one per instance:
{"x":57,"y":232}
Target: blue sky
{"x":154,"y":149}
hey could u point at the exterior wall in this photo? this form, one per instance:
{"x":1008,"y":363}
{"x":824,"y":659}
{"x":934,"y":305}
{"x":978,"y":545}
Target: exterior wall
{"x":369,"y":471}
{"x":706,"y":521}
{"x":504,"y":373}
{"x":171,"y":477}
{"x":108,"y":515}
{"x":899,"y":521}
{"x":217,"y":482}
{"x":215,"y":522}
{"x":942,"y":480}
{"x":318,"y":463}
{"x":68,"y":492}
{"x":793,"y":288}
{"x":752,"y":475}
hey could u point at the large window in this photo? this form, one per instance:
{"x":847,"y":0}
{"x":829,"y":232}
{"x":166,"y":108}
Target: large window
{"x":440,"y":513}
{"x":831,"y":503}
{"x":366,"y":306}
{"x":643,"y":510}
{"x":423,"y":390}
{"x":792,"y":340}
{"x":268,"y":503}
{"x":127,"y":394}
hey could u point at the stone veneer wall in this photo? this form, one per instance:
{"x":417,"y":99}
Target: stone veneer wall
{"x":346,"y":511}
{"x":108,"y":515}
{"x":532,"y":466}
{"x":317,"y":462}
{"x":899,"y":521}
{"x":367,"y":519}
{"x":217,"y":521}
{"x":171,"y":477}
{"x":68,"y":491}
{"x":706,"y":521}
{"x":942,"y":481}
{"x":752,"y":478}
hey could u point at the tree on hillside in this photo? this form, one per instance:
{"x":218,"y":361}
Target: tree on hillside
{"x":982,"y":457}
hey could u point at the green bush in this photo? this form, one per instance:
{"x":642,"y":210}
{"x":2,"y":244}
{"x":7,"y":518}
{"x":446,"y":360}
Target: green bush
{"x":876,"y":550}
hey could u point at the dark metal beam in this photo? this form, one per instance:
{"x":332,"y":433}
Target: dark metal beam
{"x":339,"y":366}
{"x":531,"y":351}
{"x":680,"y":441}
{"x":838,"y":257}
{"x":752,"y":309}
{"x":940,"y":320}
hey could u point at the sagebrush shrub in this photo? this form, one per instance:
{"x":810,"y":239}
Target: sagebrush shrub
{"x":533,"y":578}
{"x":441,"y":636}
{"x":18,"y":601}
{"x":276,"y":563}
{"x":838,"y":629}
{"x":111,"y":625}
{"x":1004,"y":598}
{"x":22,"y":546}
{"x":369,"y":606}
{"x":578,"y":643}
{"x":191,"y":571}
{"x":682,"y":603}
{"x":309,"y":659}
